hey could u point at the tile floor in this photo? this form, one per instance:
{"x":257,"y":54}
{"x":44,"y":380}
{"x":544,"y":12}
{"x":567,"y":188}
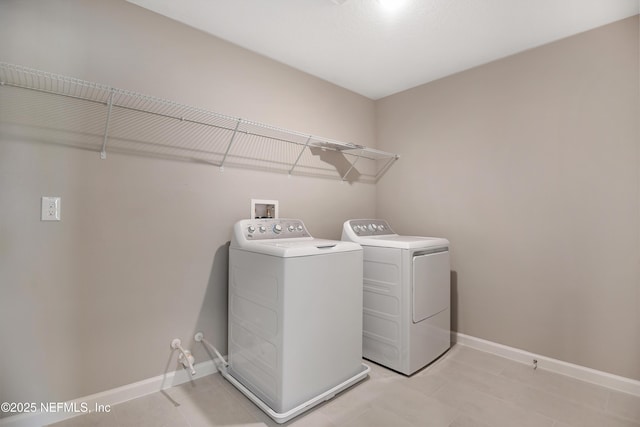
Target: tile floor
{"x":464,"y":388}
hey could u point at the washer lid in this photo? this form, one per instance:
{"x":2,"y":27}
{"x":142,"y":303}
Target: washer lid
{"x":402,"y":242}
{"x":377,"y":232}
{"x":283,"y":238}
{"x":286,"y":248}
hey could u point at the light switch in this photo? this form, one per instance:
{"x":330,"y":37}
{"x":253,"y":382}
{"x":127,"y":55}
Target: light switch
{"x":50,"y":209}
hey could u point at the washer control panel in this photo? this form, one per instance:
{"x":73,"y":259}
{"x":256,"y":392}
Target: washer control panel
{"x":262,"y":229}
{"x":370,"y":227}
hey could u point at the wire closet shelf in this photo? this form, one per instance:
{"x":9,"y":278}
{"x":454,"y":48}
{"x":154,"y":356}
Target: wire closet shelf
{"x":74,"y":112}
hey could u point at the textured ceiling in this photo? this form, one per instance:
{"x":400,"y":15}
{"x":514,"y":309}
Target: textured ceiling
{"x":376,"y":50}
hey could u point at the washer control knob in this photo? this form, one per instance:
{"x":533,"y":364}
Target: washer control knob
{"x":291,"y":228}
{"x":381,"y":227}
{"x":251,"y":229}
{"x":372,"y":227}
{"x":356,"y":228}
{"x":299,"y":227}
{"x":277,"y":228}
{"x":262,"y":228}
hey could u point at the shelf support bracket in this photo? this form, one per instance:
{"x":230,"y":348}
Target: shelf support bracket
{"x":385,"y":167}
{"x":103,"y":151}
{"x":306,"y":144}
{"x":235,"y":131}
{"x":352,"y":165}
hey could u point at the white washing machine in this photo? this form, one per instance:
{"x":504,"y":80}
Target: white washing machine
{"x":407,"y":295}
{"x":295,"y":323}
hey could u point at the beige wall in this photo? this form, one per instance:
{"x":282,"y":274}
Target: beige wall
{"x":140,"y":256}
{"x":530,"y":166}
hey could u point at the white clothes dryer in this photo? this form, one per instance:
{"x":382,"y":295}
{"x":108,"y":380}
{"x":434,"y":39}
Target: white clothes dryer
{"x":407,"y":295}
{"x":295,"y":324}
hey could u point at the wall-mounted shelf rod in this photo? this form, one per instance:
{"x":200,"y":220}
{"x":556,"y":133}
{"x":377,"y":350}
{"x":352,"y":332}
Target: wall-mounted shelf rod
{"x":134,"y":122}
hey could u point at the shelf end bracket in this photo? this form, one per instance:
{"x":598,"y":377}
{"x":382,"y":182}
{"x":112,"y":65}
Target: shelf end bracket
{"x":386,"y":166}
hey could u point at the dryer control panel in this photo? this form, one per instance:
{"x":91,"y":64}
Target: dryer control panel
{"x":263,"y":229}
{"x":370,"y":227}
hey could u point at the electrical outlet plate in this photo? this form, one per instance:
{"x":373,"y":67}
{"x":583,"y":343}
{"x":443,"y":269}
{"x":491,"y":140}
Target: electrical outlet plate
{"x":50,"y":209}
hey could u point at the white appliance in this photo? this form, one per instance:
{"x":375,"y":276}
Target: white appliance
{"x":295,"y":316}
{"x":407,"y":295}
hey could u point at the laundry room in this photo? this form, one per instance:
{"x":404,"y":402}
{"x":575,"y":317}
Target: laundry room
{"x":524,"y":155}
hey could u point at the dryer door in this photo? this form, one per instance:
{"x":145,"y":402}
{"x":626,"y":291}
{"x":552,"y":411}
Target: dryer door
{"x":431,"y":284}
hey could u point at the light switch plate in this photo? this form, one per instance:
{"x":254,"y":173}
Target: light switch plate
{"x":50,"y":209}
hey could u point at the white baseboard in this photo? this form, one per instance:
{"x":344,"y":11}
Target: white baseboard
{"x":174,"y":378}
{"x":615,"y":382}
{"x":111,"y":397}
